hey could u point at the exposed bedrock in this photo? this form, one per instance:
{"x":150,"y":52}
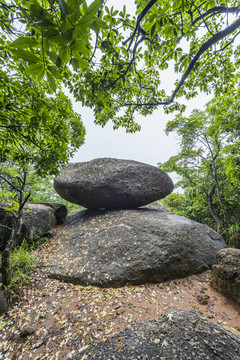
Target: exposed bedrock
{"x":114,"y":248}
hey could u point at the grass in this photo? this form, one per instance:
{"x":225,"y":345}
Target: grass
{"x":23,"y":264}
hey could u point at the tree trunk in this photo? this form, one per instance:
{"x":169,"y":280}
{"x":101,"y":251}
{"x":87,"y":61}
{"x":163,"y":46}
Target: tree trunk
{"x":6,"y":264}
{"x":15,"y":232}
{"x":210,"y":206}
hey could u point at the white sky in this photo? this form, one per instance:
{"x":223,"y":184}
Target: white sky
{"x":150,"y":145}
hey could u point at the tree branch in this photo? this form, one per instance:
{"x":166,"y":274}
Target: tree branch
{"x":213,"y":40}
{"x":5,"y":227}
{"x":217,"y":10}
{"x":139,"y":19}
{"x":9,"y":183}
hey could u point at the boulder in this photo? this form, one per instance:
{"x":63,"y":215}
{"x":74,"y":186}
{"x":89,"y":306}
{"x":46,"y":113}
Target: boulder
{"x":59,"y":210}
{"x":131,"y":246}
{"x":112,"y":184}
{"x":38,"y":219}
{"x":226,"y":273}
{"x":3,"y":302}
{"x":173,"y":336}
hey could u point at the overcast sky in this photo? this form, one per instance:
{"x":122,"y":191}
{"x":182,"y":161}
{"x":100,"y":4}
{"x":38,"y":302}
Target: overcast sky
{"x":150,"y":145}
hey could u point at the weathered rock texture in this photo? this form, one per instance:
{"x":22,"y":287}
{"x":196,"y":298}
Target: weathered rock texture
{"x":113,"y":248}
{"x":226,"y":273}
{"x":59,"y":210}
{"x":175,"y":336}
{"x":38,"y":220}
{"x":112,"y":184}
{"x":3,"y":302}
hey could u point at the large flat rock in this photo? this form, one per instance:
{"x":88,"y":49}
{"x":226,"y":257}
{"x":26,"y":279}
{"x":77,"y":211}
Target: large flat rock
{"x":135,"y":246}
{"x":174,"y":336}
{"x":112,"y":184}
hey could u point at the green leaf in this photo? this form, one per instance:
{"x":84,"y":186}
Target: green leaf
{"x":51,"y":81}
{"x":89,"y":17}
{"x":40,"y":75}
{"x":54,"y":71}
{"x":77,"y":45}
{"x":51,"y":32}
{"x":81,"y":49}
{"x":59,"y":61}
{"x":153,"y":28}
{"x":101,"y":23}
{"x":75,"y":64}
{"x":33,"y":69}
{"x":53,"y":56}
{"x":94,"y":7}
{"x":43,"y":22}
{"x":67,"y":36}
{"x":94,"y":26}
{"x":63,"y":6}
{"x":2,"y":324}
{"x":25,"y":55}
{"x":82,"y":63}
{"x":85,"y":21}
{"x":24,"y":42}
{"x":64,"y":55}
{"x":72,"y":6}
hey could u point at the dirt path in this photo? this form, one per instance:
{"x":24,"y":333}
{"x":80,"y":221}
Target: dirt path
{"x":67,"y":317}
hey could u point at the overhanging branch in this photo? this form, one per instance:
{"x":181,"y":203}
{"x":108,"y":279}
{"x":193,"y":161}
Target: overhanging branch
{"x":213,"y":40}
{"x":139,"y":19}
{"x":217,"y":10}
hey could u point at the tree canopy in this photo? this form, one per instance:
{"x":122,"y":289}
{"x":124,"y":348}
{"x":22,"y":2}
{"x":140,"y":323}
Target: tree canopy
{"x":112,"y":61}
{"x":208,"y":163}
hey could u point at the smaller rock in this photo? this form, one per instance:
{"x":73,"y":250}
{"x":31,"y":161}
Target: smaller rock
{"x":3,"y":302}
{"x":226,"y":273}
{"x":120,"y":311}
{"x":60,"y":211}
{"x":203,"y":298}
{"x":26,"y":331}
{"x":37,"y":221}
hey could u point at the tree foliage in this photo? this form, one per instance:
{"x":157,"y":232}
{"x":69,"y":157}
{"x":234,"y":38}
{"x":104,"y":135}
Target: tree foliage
{"x":113,"y":61}
{"x":39,"y":131}
{"x":207,"y":162}
{"x":195,"y":38}
{"x":36,"y":129}
{"x":49,"y":34}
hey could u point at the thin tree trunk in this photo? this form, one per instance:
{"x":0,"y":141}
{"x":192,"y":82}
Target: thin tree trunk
{"x":210,"y":206}
{"x":6,"y":265}
{"x":213,"y":157}
{"x":15,"y":232}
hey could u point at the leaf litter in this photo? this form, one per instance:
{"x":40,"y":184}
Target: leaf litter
{"x":66,"y":318}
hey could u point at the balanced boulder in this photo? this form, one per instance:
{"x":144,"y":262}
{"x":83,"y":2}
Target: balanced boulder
{"x":226,"y":273}
{"x":173,"y":336}
{"x":112,"y":184}
{"x":131,"y":246}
